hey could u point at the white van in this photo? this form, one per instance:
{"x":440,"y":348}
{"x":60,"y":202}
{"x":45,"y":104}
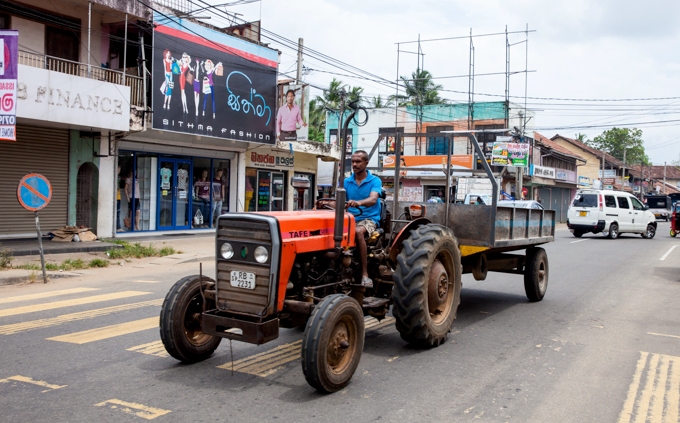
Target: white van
{"x":609,"y":212}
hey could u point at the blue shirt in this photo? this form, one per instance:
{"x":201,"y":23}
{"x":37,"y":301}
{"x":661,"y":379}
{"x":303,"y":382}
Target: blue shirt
{"x":361,"y":192}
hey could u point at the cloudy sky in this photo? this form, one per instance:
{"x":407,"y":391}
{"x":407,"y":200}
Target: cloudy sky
{"x":580,"y":51}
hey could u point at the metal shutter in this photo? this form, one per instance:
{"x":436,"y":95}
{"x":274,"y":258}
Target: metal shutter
{"x":37,"y":150}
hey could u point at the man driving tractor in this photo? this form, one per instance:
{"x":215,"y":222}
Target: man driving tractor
{"x":363,"y":190}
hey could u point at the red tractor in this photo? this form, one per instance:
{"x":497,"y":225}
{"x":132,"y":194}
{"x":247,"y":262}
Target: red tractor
{"x":288,"y":269}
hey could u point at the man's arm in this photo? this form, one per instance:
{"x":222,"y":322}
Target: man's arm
{"x":299,"y":117}
{"x":366,"y":202}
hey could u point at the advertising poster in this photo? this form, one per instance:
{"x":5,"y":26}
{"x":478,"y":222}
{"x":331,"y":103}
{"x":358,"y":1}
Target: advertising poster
{"x":9,"y":41}
{"x":210,"y":84}
{"x":509,"y":154}
{"x":292,"y":115}
{"x":426,"y":165}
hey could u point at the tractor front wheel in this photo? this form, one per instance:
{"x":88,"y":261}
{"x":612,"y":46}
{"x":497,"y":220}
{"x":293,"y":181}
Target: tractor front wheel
{"x":181,"y":322}
{"x":333,"y":343}
{"x":427,"y":283}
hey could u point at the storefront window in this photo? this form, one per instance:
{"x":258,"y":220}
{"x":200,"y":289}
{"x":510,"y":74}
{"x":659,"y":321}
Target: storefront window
{"x":251,"y":184}
{"x":202,"y":185}
{"x":220,"y":187}
{"x":163,"y":192}
{"x":303,"y":194}
{"x":146,"y":175}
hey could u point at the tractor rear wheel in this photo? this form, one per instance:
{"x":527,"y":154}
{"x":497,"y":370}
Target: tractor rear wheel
{"x":333,"y":343}
{"x":427,"y":283}
{"x":181,"y":322}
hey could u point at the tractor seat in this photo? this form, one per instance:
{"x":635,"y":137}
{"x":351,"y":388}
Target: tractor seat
{"x":372,"y":238}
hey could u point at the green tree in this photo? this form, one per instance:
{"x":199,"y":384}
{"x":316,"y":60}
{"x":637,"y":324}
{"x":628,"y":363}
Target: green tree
{"x":378,"y":102}
{"x":331,"y":96}
{"x":614,"y":141}
{"x":354,"y":93}
{"x":420,"y":90}
{"x":317,"y":121}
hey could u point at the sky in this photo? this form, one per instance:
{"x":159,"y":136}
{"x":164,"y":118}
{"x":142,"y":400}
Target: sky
{"x":578,"y":51}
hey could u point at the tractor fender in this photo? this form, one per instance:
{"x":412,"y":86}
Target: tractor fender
{"x":395,"y":248}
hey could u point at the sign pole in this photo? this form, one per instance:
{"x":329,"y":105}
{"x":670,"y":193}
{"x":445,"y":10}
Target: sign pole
{"x":42,"y":254}
{"x":34,"y":193}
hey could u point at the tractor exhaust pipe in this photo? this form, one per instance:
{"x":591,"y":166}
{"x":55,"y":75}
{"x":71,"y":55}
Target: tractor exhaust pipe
{"x":341,"y":194}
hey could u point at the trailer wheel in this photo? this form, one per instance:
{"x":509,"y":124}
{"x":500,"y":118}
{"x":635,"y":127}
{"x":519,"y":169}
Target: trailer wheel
{"x":426,"y":291}
{"x":180,"y":322}
{"x":536,"y":273}
{"x":332,"y":343}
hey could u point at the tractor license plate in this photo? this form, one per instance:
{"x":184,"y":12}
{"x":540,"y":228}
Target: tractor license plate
{"x":242,"y":279}
{"x":582,"y":214}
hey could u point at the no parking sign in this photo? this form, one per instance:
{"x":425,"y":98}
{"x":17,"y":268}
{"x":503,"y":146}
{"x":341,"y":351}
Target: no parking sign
{"x":34,"y":192}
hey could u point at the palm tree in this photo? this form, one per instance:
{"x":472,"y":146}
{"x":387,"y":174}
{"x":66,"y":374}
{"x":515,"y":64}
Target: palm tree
{"x":378,"y":102}
{"x":331,"y":96}
{"x":354,"y":93}
{"x":317,"y":121}
{"x":420,"y":90}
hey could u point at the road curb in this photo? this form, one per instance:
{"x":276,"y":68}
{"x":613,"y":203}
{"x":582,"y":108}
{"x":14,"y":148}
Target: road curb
{"x":14,"y":280}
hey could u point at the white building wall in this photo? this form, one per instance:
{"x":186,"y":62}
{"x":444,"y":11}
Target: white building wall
{"x":106,"y":204}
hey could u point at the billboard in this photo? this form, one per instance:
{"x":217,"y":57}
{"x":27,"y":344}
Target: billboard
{"x":211,"y":84}
{"x":509,"y":154}
{"x":292,"y":115}
{"x":9,"y":58}
{"x":426,"y":165}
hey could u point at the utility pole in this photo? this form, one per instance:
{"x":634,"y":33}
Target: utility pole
{"x":642,"y":179}
{"x":299,"y":60}
{"x":623,"y":177}
{"x":664,"y":178}
{"x":602,"y":178}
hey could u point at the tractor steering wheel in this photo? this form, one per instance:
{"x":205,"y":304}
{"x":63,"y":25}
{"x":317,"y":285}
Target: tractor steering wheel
{"x":321,"y":206}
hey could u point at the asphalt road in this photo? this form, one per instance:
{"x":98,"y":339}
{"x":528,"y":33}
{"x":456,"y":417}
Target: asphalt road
{"x":603,"y":346}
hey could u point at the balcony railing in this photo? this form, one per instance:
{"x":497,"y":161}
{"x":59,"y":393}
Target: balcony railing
{"x":56,"y":64}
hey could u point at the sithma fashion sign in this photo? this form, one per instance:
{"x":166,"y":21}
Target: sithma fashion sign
{"x":8,"y":84}
{"x":211,"y":84}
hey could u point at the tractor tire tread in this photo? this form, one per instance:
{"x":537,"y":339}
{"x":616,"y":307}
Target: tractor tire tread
{"x":409,"y":299}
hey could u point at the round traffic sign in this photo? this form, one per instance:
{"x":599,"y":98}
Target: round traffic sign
{"x":34,"y":192}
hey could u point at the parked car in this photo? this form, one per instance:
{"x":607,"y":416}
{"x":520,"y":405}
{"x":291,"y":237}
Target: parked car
{"x":482,"y":199}
{"x":521,"y":204}
{"x":660,"y":205}
{"x":611,"y":213}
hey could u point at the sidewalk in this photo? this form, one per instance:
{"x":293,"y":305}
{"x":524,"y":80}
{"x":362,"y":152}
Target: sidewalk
{"x":190,"y":249}
{"x":29,"y":246}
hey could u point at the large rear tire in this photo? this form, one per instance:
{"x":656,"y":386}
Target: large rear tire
{"x":536,"y":273}
{"x":181,"y":319}
{"x":333,"y":343}
{"x":427,"y":283}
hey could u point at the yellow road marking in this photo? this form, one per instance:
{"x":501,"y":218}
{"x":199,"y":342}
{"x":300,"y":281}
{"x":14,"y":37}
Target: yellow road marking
{"x":661,"y":334}
{"x":269,"y":362}
{"x":658,"y":400}
{"x":33,"y":382}
{"x":72,"y":317}
{"x":108,"y":331}
{"x":138,"y":410}
{"x":68,"y":303}
{"x":147,"y":281}
{"x":673,"y":394}
{"x":45,"y":295}
{"x":152,"y":348}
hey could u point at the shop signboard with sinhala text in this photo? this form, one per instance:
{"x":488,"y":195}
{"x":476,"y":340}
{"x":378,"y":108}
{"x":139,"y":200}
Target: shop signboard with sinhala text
{"x":9,"y":40}
{"x":211,"y":84}
{"x":509,"y":154}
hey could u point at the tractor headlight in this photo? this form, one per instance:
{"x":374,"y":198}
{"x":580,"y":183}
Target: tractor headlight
{"x":227,"y":250}
{"x":261,"y":254}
